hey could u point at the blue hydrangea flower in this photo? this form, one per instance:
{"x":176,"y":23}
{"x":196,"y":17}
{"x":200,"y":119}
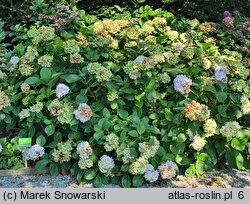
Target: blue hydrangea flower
{"x":182,"y":84}
{"x":221,"y":73}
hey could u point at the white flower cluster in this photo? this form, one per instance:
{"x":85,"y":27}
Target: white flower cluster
{"x":14,"y":60}
{"x":35,"y":152}
{"x":84,"y":150}
{"x":61,"y":90}
{"x":230,"y":129}
{"x":105,"y":164}
{"x":151,"y":175}
{"x":83,"y":112}
{"x":198,"y":143}
{"x":182,"y":84}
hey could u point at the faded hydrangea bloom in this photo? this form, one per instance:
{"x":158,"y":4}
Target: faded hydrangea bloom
{"x":105,"y":164}
{"x":196,"y":111}
{"x":63,"y":111}
{"x":112,"y":95}
{"x":25,"y":87}
{"x":188,"y":52}
{"x":182,"y":84}
{"x":198,"y":143}
{"x":61,"y":90}
{"x":14,"y":60}
{"x":76,"y":58}
{"x":85,"y":163}
{"x":168,"y":170}
{"x":63,"y":152}
{"x":4,"y":100}
{"x":35,"y":152}
{"x":149,"y":149}
{"x":245,"y":105}
{"x":221,"y":73}
{"x":83,"y":112}
{"x":25,"y":69}
{"x":37,"y":107}
{"x":111,"y":142}
{"x":139,"y":166}
{"x":25,"y":113}
{"x":209,"y":127}
{"x":45,"y":60}
{"x":206,"y":63}
{"x":84,"y":149}
{"x":151,"y":175}
{"x":230,"y":129}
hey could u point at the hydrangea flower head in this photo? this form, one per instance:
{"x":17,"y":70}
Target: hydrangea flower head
{"x":105,"y":164}
{"x":182,"y":84}
{"x":151,"y":175}
{"x":139,"y":166}
{"x":198,"y":143}
{"x":61,"y":90}
{"x":168,"y":170}
{"x":85,"y":163}
{"x":83,"y":112}
{"x":209,"y":127}
{"x":84,"y":149}
{"x":35,"y":152}
{"x":227,"y":14}
{"x":220,"y":73}
{"x":14,"y":60}
{"x":4,"y":100}
{"x":230,"y":129}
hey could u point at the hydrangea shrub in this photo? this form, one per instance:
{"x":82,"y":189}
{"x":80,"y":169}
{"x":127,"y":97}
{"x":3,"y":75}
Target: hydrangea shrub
{"x":128,"y":100}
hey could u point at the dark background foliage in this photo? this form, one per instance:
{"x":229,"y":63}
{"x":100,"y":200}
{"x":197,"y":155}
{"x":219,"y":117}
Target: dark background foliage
{"x":210,"y":10}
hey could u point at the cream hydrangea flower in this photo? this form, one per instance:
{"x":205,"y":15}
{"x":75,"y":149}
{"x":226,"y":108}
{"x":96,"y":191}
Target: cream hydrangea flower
{"x":209,"y":127}
{"x":198,"y":143}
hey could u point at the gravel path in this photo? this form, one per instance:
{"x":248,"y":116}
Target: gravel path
{"x":225,"y":178}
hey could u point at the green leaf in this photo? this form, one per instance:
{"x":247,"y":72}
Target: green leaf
{"x":138,"y":180}
{"x":97,"y":181}
{"x":177,"y":148}
{"x":71,"y":78}
{"x":221,"y":97}
{"x":90,"y":174}
{"x":32,"y":80}
{"x":54,"y":169}
{"x":122,"y":113}
{"x":49,"y":130}
{"x":234,"y":158}
{"x":45,"y":74}
{"x":106,"y":113}
{"x":126,"y":181}
{"x":133,"y":133}
{"x":190,"y":172}
{"x":40,"y":165}
{"x":237,"y":144}
{"x":41,"y":140}
{"x":141,"y":128}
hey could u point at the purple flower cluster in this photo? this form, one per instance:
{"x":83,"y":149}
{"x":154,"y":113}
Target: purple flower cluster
{"x":62,"y":8}
{"x":73,"y":14}
{"x":227,"y":14}
{"x":61,"y":90}
{"x":228,"y":21}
